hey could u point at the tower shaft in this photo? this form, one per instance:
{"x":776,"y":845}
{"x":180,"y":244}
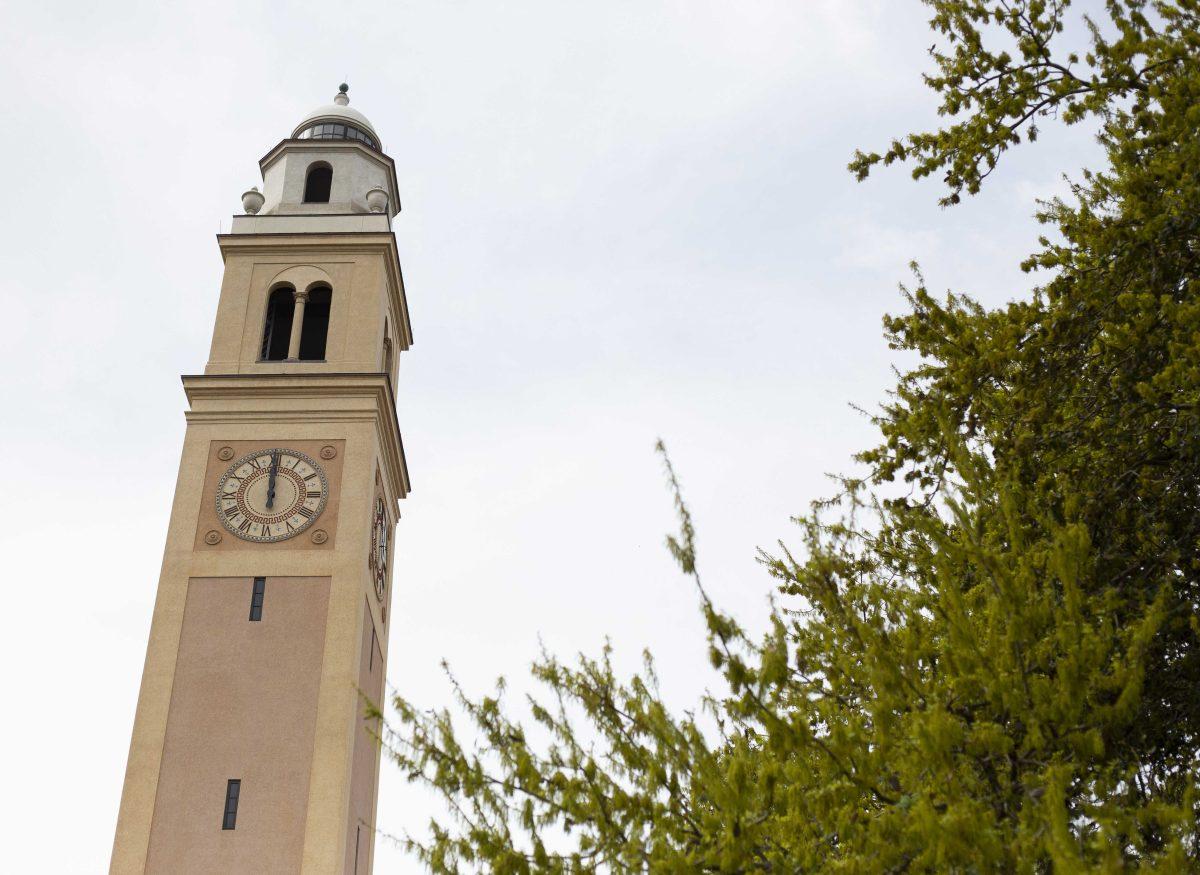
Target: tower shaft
{"x":253,"y":750}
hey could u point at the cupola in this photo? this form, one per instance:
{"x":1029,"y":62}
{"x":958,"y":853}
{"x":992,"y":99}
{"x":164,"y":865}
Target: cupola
{"x":330,"y":170}
{"x":337,"y":121}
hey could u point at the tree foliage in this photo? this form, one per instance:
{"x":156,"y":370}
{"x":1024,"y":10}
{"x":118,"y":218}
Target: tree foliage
{"x":986,"y":655}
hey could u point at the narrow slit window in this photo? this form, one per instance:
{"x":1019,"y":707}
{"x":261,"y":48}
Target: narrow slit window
{"x":232,"y":791}
{"x":256,"y":598}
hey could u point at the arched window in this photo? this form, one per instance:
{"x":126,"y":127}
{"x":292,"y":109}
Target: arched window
{"x":317,"y":184}
{"x":277,"y":330}
{"x":315,"y":329}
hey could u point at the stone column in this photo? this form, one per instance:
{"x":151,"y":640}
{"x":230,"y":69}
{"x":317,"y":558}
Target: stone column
{"x":297,"y":326}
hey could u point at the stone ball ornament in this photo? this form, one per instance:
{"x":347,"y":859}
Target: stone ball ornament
{"x":225,"y":454}
{"x":212,"y":538}
{"x":252,"y":201}
{"x":328,"y":452}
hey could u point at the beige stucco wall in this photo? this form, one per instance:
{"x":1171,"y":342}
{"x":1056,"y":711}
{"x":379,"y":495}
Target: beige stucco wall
{"x":360,"y":826}
{"x":243,"y":705}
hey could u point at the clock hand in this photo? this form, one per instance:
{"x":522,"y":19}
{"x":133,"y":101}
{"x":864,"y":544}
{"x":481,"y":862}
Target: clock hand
{"x":271,"y":482}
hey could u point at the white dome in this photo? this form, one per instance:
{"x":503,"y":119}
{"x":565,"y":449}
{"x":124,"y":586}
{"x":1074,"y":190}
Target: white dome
{"x":338,"y":111}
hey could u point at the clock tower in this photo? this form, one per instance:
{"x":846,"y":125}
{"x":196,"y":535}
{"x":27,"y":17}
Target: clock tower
{"x":253,"y":750}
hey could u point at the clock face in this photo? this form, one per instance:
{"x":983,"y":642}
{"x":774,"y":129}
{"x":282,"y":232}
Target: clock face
{"x":271,"y":495}
{"x":378,"y":559}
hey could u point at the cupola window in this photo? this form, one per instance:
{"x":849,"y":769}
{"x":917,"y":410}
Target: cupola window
{"x":336,"y":131}
{"x":317,"y":184}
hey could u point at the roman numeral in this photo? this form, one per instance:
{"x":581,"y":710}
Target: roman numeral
{"x":244,"y":526}
{"x":306,"y":513}
{"x":312,"y":494}
{"x":310,"y":476}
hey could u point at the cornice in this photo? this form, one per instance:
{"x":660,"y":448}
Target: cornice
{"x":205,"y":389}
{"x":286,"y":243}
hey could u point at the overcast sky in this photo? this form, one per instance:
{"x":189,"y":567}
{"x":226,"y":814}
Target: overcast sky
{"x":622,"y":220}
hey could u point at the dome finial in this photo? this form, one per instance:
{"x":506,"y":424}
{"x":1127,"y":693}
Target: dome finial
{"x":342,"y":97}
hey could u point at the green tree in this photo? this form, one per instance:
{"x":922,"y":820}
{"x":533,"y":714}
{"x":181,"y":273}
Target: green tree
{"x":998,"y":671}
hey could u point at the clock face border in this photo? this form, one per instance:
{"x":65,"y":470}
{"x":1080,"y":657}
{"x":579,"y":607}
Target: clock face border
{"x":211,"y":536}
{"x":381,"y":541}
{"x":219,"y":494}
